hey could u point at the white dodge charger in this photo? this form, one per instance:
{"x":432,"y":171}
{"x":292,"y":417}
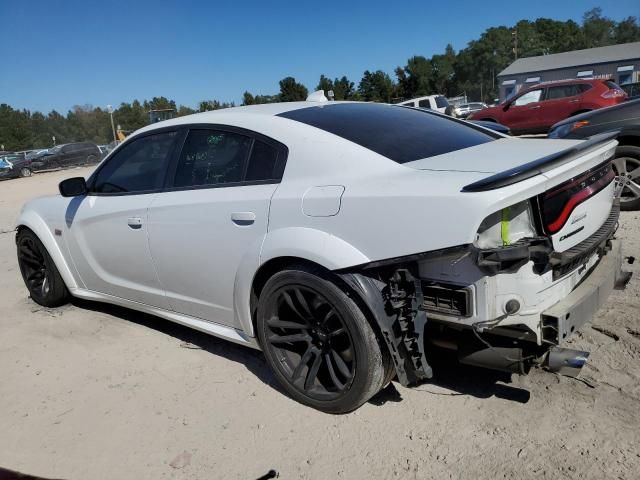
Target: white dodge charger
{"x":351,"y":242}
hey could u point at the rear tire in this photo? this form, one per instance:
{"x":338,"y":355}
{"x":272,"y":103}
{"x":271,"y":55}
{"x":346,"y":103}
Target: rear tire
{"x":91,"y":159}
{"x":627,"y":166}
{"x":318,"y":342}
{"x":39,"y":273}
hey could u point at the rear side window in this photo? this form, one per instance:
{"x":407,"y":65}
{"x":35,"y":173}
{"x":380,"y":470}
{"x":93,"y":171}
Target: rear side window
{"x":424,"y":103}
{"x":562,"y":91}
{"x":262,"y":163}
{"x":212,"y":157}
{"x":138,"y":166}
{"x":400,"y":134}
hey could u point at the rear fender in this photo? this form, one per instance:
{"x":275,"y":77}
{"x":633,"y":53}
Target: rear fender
{"x":309,"y":244}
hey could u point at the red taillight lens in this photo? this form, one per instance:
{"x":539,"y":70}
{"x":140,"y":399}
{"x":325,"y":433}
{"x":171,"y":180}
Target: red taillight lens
{"x":614,"y":93}
{"x":558,"y":203}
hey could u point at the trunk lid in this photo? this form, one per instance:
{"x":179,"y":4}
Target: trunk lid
{"x":578,"y":192}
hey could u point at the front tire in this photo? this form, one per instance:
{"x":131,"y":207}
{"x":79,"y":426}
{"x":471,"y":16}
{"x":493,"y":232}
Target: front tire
{"x":39,"y":273}
{"x":25,"y":172}
{"x":627,"y":166}
{"x":318,"y":342}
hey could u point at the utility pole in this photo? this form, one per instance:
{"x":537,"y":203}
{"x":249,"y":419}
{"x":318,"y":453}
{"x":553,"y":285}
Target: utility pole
{"x":515,"y":42}
{"x":113,"y":128}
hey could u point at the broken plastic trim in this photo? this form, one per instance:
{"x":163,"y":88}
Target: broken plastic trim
{"x":394,"y":297}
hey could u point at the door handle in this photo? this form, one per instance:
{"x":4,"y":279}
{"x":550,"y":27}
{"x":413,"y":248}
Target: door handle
{"x":574,"y":101}
{"x":534,"y":108}
{"x":243,"y":219}
{"x":134,"y":223}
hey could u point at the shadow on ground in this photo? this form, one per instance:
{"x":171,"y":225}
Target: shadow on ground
{"x":458,"y":379}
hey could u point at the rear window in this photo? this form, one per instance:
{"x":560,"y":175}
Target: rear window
{"x":398,"y":133}
{"x":612,"y":85}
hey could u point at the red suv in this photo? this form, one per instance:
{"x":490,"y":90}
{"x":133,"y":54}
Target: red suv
{"x":535,"y":109}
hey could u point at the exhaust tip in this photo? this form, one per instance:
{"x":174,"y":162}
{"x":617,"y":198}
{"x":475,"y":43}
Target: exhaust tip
{"x":566,"y":361}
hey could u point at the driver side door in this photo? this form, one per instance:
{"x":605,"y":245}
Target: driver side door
{"x":107,"y":229}
{"x":523,"y":111}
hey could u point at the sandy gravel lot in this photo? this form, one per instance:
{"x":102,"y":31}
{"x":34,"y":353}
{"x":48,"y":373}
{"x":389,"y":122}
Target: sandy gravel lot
{"x":92,"y":392}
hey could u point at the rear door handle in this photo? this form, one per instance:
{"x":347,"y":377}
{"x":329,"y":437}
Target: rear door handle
{"x":134,"y":223}
{"x":534,"y":108}
{"x":243,"y":219}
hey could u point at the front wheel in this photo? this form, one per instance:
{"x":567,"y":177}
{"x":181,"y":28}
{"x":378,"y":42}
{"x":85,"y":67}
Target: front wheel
{"x":627,"y":166}
{"x":318,"y":342}
{"x":39,"y":273}
{"x":25,"y":172}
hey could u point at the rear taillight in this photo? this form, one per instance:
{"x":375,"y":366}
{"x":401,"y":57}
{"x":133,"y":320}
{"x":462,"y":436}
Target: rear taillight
{"x":614,"y":93}
{"x":558,"y":204}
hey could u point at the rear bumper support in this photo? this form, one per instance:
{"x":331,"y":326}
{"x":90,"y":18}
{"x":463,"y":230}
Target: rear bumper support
{"x":579,"y":307}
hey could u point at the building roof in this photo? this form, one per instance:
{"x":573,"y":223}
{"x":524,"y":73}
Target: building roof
{"x":576,"y":58}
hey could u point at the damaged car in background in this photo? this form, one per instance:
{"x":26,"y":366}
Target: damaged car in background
{"x":351,"y":242}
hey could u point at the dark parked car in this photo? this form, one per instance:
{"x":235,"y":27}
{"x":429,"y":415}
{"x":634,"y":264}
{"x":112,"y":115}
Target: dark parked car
{"x":67,"y":155}
{"x":632,"y":89}
{"x":535,"y":109}
{"x":496,"y":127}
{"x":626,"y":119}
{"x":14,"y":165}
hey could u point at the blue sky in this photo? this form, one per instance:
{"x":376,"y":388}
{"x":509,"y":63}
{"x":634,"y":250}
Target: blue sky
{"x":56,"y":54}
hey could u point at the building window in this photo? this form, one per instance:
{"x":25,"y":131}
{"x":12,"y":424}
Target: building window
{"x":625,"y":74}
{"x":585,"y":73}
{"x":532,"y":80}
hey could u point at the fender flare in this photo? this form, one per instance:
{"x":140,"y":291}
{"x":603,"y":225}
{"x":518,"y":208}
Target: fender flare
{"x":309,"y":244}
{"x":37,"y":225}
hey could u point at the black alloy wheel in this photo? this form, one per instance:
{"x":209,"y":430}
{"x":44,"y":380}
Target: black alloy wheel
{"x":318,"y":342}
{"x":40,"y":274}
{"x":310,"y":338}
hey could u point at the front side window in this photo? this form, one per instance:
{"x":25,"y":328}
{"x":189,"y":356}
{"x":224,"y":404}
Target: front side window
{"x":529,"y":97}
{"x":138,"y":166}
{"x":212,"y":157}
{"x":424,"y":103}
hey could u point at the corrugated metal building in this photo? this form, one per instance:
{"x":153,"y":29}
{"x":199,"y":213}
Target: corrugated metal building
{"x":621,"y":63}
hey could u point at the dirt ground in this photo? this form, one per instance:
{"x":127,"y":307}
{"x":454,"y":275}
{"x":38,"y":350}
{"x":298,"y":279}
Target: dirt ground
{"x":90,"y":392}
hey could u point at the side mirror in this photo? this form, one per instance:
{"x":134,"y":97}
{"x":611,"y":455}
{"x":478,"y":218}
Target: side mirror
{"x":73,"y":187}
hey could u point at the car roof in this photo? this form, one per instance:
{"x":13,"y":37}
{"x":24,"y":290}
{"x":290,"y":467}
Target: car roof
{"x":233,"y":114}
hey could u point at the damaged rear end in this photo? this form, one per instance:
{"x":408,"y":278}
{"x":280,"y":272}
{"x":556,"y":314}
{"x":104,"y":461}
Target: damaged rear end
{"x":536,"y":271}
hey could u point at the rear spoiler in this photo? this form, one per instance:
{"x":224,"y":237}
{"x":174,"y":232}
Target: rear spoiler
{"x":537,"y":167}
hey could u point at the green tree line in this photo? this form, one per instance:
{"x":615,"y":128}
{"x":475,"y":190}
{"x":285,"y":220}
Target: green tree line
{"x":471,"y":71}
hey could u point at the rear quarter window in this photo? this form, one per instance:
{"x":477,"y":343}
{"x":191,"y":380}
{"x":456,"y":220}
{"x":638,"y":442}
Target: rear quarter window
{"x":398,"y":133}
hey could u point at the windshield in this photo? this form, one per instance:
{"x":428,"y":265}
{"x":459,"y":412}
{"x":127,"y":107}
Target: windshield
{"x":398,"y":133}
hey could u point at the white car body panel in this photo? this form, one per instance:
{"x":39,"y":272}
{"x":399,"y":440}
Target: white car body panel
{"x":338,"y":205}
{"x":194,"y":239}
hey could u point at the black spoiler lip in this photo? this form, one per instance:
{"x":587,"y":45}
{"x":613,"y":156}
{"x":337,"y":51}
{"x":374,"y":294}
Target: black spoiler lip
{"x":539,"y":166}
